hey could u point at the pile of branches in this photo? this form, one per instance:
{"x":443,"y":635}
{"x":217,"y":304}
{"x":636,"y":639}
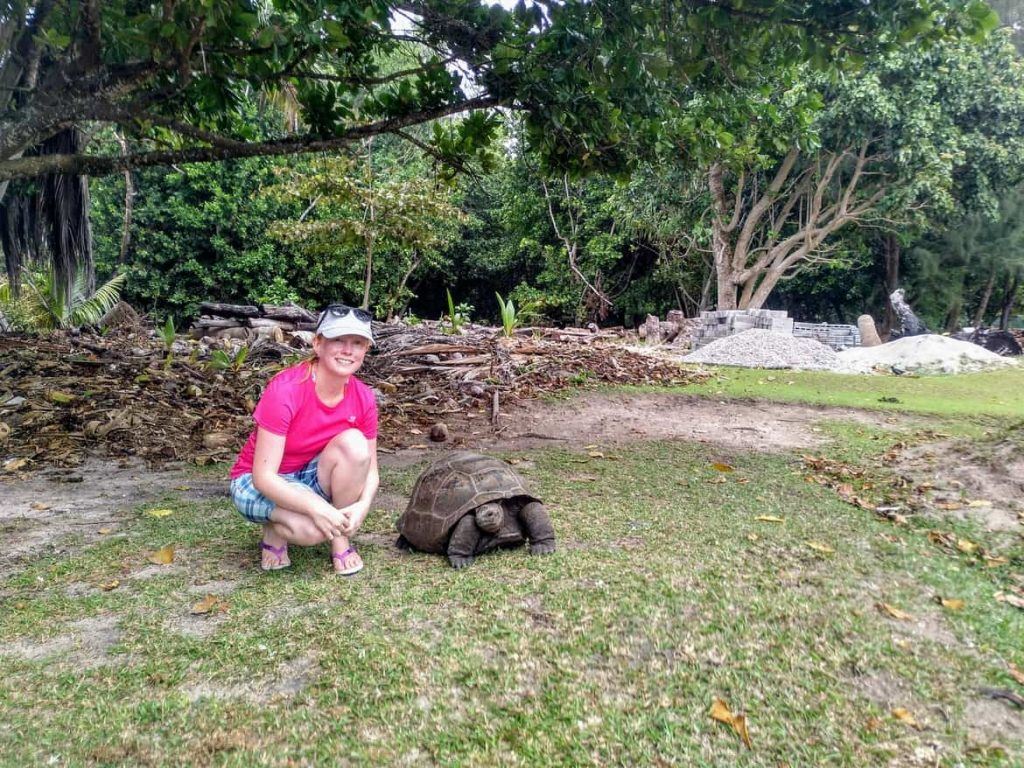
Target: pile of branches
{"x":68,"y":396}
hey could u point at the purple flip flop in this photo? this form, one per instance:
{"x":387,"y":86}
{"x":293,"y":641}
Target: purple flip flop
{"x":340,"y":557}
{"x":279,"y":552}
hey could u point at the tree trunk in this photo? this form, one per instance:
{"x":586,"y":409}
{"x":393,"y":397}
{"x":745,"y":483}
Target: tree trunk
{"x":953,"y":314}
{"x":368,"y":280}
{"x":758,"y":296}
{"x":891,"y":254}
{"x":400,"y":309}
{"x":64,"y":200}
{"x":979,"y":315}
{"x":1010,"y":298}
{"x":721,"y":245}
{"x":129,"y":200}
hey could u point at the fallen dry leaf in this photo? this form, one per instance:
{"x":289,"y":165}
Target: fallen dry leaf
{"x":159,"y":512}
{"x":720,"y":711}
{"x":905,"y":717}
{"x":995,"y":562}
{"x":817,"y":546}
{"x":951,"y":603}
{"x":58,"y":397}
{"x":844,"y":489}
{"x":976,"y":503}
{"x":113,"y":584}
{"x":13,"y":465}
{"x":595,"y":455}
{"x":1010,"y":599}
{"x":770,"y":519}
{"x":966,"y":546}
{"x":949,"y":505}
{"x":873,"y":724}
{"x":163,"y":556}
{"x":209,"y":604}
{"x":895,"y":612}
{"x":40,"y":506}
{"x":105,"y":531}
{"x":717,"y":480}
{"x":722,"y":467}
{"x":1016,"y":674}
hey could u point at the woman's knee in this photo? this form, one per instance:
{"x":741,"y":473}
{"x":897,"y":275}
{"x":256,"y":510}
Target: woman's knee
{"x":350,"y":448}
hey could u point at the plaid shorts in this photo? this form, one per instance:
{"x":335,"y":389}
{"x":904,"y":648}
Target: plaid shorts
{"x":255,"y":507}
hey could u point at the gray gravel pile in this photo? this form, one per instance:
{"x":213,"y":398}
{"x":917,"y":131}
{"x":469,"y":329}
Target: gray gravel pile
{"x":759,"y":348}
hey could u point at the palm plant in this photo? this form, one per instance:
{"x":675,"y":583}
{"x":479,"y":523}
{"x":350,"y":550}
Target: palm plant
{"x":46,"y":307}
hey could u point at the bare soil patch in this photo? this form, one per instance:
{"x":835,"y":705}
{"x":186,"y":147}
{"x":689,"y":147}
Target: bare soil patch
{"x":85,"y":645}
{"x":47,"y":512}
{"x":621,"y":419}
{"x":290,"y":679}
{"x":984,"y":482}
{"x":991,"y":722}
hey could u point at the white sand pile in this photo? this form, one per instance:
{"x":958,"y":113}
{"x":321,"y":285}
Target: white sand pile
{"x":928,"y":354}
{"x":759,"y":348}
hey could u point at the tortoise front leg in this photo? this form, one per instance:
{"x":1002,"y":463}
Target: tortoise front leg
{"x":537,"y":523}
{"x":463,"y":543}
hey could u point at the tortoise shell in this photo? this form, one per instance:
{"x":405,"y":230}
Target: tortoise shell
{"x":452,"y":487}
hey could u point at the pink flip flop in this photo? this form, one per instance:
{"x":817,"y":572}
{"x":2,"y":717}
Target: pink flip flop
{"x":279,"y":552}
{"x":340,"y":557}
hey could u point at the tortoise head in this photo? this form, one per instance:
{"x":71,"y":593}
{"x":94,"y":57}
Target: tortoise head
{"x":489,"y":516}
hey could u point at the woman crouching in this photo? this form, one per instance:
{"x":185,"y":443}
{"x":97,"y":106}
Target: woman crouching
{"x":308,"y":472}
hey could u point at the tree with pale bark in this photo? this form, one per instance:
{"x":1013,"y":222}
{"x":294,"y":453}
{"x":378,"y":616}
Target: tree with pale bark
{"x":917,"y":133}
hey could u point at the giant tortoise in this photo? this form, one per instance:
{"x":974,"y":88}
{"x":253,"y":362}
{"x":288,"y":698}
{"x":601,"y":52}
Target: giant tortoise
{"x":465,"y":504}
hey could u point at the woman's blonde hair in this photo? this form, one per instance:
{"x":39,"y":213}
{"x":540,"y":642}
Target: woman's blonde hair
{"x":309,"y":361}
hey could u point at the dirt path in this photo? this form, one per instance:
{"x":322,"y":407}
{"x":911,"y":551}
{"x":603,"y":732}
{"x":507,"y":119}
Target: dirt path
{"x":47,"y":511}
{"x":618,"y":419}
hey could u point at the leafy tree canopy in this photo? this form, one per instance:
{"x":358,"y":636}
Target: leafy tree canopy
{"x":594,"y":78}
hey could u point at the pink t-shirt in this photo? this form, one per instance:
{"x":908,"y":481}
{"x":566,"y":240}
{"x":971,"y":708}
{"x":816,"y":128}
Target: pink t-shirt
{"x":290,"y":407}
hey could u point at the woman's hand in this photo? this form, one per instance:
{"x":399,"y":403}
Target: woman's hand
{"x":353,"y":516}
{"x":328,"y":519}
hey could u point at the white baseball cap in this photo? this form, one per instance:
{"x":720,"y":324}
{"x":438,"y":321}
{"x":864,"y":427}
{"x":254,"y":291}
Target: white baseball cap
{"x":341,"y":320}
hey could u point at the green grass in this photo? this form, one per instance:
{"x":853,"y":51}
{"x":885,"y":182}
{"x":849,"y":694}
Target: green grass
{"x":993,"y":394}
{"x":666,"y":592}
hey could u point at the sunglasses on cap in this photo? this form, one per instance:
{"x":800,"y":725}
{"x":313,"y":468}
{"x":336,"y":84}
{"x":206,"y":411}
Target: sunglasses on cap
{"x":341,"y":310}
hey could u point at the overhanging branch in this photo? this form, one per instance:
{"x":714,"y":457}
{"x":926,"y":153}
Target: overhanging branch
{"x":101,"y":165}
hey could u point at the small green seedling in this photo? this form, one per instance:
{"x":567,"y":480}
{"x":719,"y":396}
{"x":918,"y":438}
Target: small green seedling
{"x":220,"y":360}
{"x":510,"y":320}
{"x":167,"y":335}
{"x":458,"y":316}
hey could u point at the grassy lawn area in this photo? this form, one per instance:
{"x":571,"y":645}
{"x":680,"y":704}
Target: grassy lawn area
{"x":667,"y":591}
{"x":993,"y":393}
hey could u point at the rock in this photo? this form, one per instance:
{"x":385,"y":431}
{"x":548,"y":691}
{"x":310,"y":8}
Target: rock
{"x":868,"y":331}
{"x":652,"y":329}
{"x":439,"y":432}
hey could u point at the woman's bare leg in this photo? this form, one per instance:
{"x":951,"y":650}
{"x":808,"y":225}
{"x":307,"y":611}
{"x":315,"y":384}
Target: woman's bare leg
{"x":342,"y":472}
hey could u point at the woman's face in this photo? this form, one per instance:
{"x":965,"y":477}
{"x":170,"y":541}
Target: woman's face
{"x":342,"y":356}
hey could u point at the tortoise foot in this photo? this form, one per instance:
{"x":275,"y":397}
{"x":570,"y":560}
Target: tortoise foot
{"x":402,"y":544}
{"x":459,"y":561}
{"x":542,"y":548}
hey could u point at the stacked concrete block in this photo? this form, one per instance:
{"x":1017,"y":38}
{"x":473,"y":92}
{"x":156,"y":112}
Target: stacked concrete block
{"x":835,"y":336}
{"x":719,"y":324}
